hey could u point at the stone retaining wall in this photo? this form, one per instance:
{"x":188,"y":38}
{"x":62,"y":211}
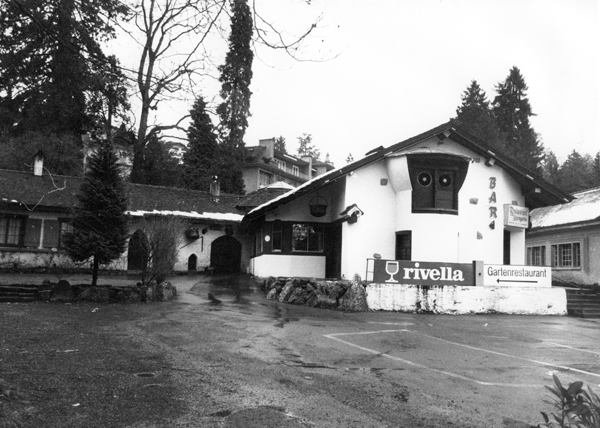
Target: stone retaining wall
{"x":341,"y":295}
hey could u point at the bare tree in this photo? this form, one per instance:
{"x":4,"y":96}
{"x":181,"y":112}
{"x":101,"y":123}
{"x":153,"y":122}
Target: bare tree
{"x":177,"y":39}
{"x":161,"y":251}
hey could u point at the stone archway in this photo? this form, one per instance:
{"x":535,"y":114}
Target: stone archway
{"x":137,"y":251}
{"x":226,"y":255}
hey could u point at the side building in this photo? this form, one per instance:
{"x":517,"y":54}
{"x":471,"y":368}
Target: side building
{"x":567,"y":238}
{"x":264,"y":166}
{"x":36,"y":208}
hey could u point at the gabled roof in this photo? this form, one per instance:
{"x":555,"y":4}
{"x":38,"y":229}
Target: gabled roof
{"x":583,"y":209}
{"x":262,"y":195}
{"x":537,"y":191}
{"x":24,"y":191}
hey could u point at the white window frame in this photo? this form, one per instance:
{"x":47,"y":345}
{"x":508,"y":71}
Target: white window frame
{"x":566,"y":255}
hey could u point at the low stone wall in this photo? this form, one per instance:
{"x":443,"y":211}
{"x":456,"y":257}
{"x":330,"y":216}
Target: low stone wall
{"x":65,"y":292}
{"x":467,"y":300}
{"x":340,"y":295}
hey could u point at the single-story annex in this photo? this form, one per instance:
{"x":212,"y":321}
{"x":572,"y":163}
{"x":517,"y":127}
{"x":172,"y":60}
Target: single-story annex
{"x":35,"y":211}
{"x":567,"y":238}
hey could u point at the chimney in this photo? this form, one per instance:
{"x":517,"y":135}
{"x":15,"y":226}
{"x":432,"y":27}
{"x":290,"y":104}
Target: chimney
{"x":309,"y":159}
{"x":38,"y":164}
{"x":269,"y":145}
{"x":215,"y":186}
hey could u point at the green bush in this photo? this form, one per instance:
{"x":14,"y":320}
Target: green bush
{"x":577,"y":407}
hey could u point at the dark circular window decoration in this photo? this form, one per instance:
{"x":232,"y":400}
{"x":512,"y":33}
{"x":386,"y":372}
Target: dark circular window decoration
{"x":424,"y":179}
{"x":445,"y":180}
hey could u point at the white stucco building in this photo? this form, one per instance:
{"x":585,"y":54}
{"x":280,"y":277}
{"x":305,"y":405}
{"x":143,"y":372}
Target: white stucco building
{"x":442,"y":196}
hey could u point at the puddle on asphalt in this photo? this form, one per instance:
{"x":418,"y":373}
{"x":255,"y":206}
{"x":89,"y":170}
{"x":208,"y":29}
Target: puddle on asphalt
{"x":219,"y":289}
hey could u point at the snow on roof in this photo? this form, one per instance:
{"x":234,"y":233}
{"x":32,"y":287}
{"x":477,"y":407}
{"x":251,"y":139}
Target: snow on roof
{"x":189,"y":214}
{"x":280,"y":185}
{"x":585,"y":207}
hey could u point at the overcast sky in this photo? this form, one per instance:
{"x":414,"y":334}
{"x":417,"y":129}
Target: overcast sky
{"x":397,"y":68}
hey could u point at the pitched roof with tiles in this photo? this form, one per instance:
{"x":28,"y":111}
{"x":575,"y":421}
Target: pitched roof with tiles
{"x":25,"y":191}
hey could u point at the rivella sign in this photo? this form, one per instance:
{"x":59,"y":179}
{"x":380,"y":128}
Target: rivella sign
{"x":422,"y":273}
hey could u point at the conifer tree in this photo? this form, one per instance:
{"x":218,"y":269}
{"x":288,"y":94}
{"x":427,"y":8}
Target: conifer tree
{"x":575,"y":173}
{"x":280,"y":144}
{"x":236,"y":75}
{"x":512,"y":111}
{"x":596,"y":170}
{"x":199,"y":160}
{"x":550,"y":167}
{"x":475,"y":116}
{"x":99,"y":224}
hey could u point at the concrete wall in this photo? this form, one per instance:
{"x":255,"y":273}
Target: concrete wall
{"x":457,"y":300}
{"x":281,"y":265}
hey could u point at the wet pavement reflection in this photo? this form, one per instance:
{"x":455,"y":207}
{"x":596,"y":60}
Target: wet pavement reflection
{"x":220,"y":289}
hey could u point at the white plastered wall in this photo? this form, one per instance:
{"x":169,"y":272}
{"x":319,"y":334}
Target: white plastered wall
{"x":374,"y":230}
{"x":458,"y":238}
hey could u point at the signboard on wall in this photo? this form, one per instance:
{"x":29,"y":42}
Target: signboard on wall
{"x":516,"y":216}
{"x":517,"y":276}
{"x":422,"y":273}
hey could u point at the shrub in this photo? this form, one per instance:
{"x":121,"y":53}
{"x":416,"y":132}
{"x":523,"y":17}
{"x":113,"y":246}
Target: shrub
{"x":577,"y":407}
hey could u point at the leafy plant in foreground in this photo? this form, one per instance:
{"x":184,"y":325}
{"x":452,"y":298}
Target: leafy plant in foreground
{"x":577,"y":407}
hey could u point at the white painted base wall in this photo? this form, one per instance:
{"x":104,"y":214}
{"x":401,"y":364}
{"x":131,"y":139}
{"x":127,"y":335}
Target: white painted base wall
{"x":458,"y":300}
{"x":282,"y":265}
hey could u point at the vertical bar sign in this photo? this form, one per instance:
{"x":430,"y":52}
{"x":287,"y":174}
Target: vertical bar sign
{"x":423,"y":273}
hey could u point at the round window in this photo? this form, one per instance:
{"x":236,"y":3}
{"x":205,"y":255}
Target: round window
{"x":445,"y":180}
{"x":424,"y":179}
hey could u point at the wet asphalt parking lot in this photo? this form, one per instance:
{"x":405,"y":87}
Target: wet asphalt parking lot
{"x":244,"y":361}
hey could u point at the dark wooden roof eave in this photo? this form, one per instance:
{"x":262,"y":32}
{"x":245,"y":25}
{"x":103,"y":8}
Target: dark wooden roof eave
{"x":529,"y":183}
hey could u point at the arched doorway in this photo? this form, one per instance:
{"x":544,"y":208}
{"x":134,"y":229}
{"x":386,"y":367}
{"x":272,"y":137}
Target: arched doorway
{"x":137,"y":251}
{"x":192,"y":262}
{"x":226,"y":255}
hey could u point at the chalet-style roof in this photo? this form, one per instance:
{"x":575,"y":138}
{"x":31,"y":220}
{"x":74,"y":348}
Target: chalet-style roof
{"x":23,"y":191}
{"x":585,"y":208}
{"x":263,"y":195}
{"x":537,"y":192}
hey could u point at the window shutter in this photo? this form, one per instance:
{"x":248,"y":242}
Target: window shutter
{"x":33,"y":227}
{"x":51,"y":233}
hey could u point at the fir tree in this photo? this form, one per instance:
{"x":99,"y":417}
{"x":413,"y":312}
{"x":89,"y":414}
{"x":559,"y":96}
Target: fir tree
{"x":51,"y":62}
{"x":307,"y":148}
{"x":550,"y":167}
{"x":236,"y":75}
{"x":160,"y":167}
{"x":280,"y":144}
{"x":512,"y":111}
{"x":596,"y":170}
{"x":575,"y":173}
{"x":199,"y":160}
{"x":475,"y":116}
{"x":99,"y":224}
